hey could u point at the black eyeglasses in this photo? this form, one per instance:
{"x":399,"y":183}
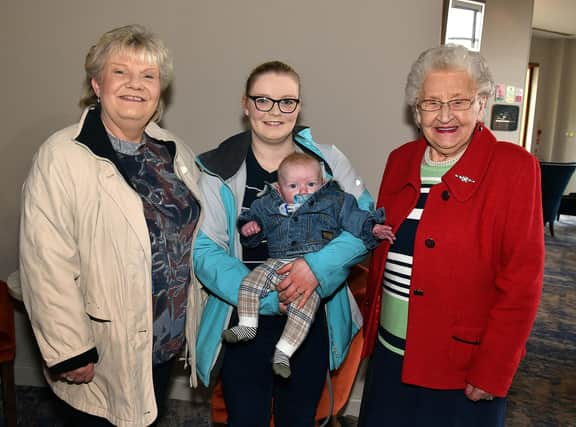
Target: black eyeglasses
{"x":453,"y":104}
{"x":265,"y":104}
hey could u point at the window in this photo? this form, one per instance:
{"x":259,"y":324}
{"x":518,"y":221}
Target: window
{"x":464,"y":23}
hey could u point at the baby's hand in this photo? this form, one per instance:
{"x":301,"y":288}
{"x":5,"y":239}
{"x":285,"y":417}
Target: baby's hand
{"x":383,"y":232}
{"x":250,"y":228}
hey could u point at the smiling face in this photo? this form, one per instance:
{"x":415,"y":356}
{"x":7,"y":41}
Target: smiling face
{"x":272,"y":127}
{"x":299,"y":178}
{"x":129,"y":92}
{"x":448,"y":132}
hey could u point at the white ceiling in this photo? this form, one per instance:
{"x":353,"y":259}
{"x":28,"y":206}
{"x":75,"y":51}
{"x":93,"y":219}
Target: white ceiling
{"x":557,"y":16}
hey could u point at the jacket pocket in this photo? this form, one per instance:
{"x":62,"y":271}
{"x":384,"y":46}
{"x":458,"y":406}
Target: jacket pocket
{"x":464,"y":343}
{"x":97,"y":312}
{"x":94,"y":301}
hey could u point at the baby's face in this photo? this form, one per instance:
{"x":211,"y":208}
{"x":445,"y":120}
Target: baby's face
{"x":299,"y":179}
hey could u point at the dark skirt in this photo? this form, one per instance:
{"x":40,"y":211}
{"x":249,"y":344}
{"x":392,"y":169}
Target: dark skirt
{"x":387,"y":401}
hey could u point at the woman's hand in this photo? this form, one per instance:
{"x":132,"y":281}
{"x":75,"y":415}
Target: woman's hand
{"x":476,"y":394}
{"x":85,"y":374}
{"x":298,"y":285}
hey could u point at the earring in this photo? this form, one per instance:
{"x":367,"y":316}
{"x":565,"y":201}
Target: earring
{"x":98,"y":100}
{"x":480,"y":127}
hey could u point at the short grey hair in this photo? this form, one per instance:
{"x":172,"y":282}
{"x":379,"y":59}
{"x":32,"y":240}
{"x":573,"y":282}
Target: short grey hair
{"x":448,"y":57}
{"x":135,"y":40}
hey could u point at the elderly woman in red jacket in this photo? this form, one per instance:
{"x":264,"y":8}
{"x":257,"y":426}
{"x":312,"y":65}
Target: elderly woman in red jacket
{"x":451,"y":303}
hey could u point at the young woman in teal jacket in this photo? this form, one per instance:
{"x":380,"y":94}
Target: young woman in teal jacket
{"x":232,"y":175}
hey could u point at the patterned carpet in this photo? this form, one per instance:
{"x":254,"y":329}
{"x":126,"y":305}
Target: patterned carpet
{"x":543,"y":393}
{"x":544,"y":390}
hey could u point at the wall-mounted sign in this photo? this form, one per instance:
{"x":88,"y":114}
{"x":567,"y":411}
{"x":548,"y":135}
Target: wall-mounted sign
{"x":500,"y":93}
{"x":504,"y":117}
{"x":519,"y":94}
{"x":510,"y":93}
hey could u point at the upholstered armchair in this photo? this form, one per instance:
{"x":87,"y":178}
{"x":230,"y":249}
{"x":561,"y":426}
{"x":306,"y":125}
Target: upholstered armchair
{"x":7,"y":354}
{"x":555,"y":177}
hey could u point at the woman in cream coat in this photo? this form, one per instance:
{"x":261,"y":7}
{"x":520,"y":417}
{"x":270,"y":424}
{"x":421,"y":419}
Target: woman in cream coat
{"x":110,"y":213}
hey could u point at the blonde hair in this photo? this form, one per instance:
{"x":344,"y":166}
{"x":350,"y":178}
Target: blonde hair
{"x":275,"y":67}
{"x":137,"y":41}
{"x":300,"y":159}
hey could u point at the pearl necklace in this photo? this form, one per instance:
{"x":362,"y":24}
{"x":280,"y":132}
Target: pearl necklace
{"x":442,"y":163}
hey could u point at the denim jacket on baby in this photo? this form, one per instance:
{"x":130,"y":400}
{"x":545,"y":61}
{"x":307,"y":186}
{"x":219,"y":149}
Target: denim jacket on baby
{"x":324,"y":215}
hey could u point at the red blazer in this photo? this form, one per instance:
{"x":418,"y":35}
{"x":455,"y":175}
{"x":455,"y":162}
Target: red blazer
{"x":477,"y":267}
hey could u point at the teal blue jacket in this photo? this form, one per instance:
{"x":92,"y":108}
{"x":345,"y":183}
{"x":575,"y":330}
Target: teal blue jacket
{"x":217,"y":251}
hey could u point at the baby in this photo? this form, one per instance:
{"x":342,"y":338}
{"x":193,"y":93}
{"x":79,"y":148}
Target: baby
{"x":297,"y":215}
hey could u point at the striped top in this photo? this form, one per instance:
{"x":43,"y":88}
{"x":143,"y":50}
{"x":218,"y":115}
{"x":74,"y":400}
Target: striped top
{"x":398,"y":268}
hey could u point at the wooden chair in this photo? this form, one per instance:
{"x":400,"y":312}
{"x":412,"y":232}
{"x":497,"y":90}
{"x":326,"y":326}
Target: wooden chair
{"x":7,"y":354}
{"x":342,"y":379}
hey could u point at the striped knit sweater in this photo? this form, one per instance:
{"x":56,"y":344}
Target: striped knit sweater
{"x":398,"y":269}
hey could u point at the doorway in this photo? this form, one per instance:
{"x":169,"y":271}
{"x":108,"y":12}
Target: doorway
{"x":529,"y":109}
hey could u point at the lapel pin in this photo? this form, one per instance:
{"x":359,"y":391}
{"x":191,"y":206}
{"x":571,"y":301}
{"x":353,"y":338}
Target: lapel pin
{"x":464,"y":179}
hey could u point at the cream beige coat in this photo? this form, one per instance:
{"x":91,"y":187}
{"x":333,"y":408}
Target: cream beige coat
{"x":85,"y":272}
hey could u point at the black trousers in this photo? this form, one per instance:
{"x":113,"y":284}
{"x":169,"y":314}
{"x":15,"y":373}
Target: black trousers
{"x":160,"y":376}
{"x":251,"y":389}
{"x":387,"y":401}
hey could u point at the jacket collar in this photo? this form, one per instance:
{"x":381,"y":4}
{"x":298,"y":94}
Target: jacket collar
{"x":92,"y":134}
{"x":411,"y":171}
{"x":464,"y":178}
{"x":226,"y":159}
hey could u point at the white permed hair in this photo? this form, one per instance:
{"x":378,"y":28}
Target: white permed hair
{"x":448,"y":57}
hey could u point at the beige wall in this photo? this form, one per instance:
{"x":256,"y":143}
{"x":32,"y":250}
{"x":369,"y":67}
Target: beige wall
{"x":555,"y":113}
{"x":565,"y":142}
{"x":506,"y":46}
{"x":548,"y":54}
{"x":353,"y":57}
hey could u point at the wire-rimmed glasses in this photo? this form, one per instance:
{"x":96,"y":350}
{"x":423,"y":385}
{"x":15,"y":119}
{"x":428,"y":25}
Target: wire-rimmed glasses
{"x":453,"y":104}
